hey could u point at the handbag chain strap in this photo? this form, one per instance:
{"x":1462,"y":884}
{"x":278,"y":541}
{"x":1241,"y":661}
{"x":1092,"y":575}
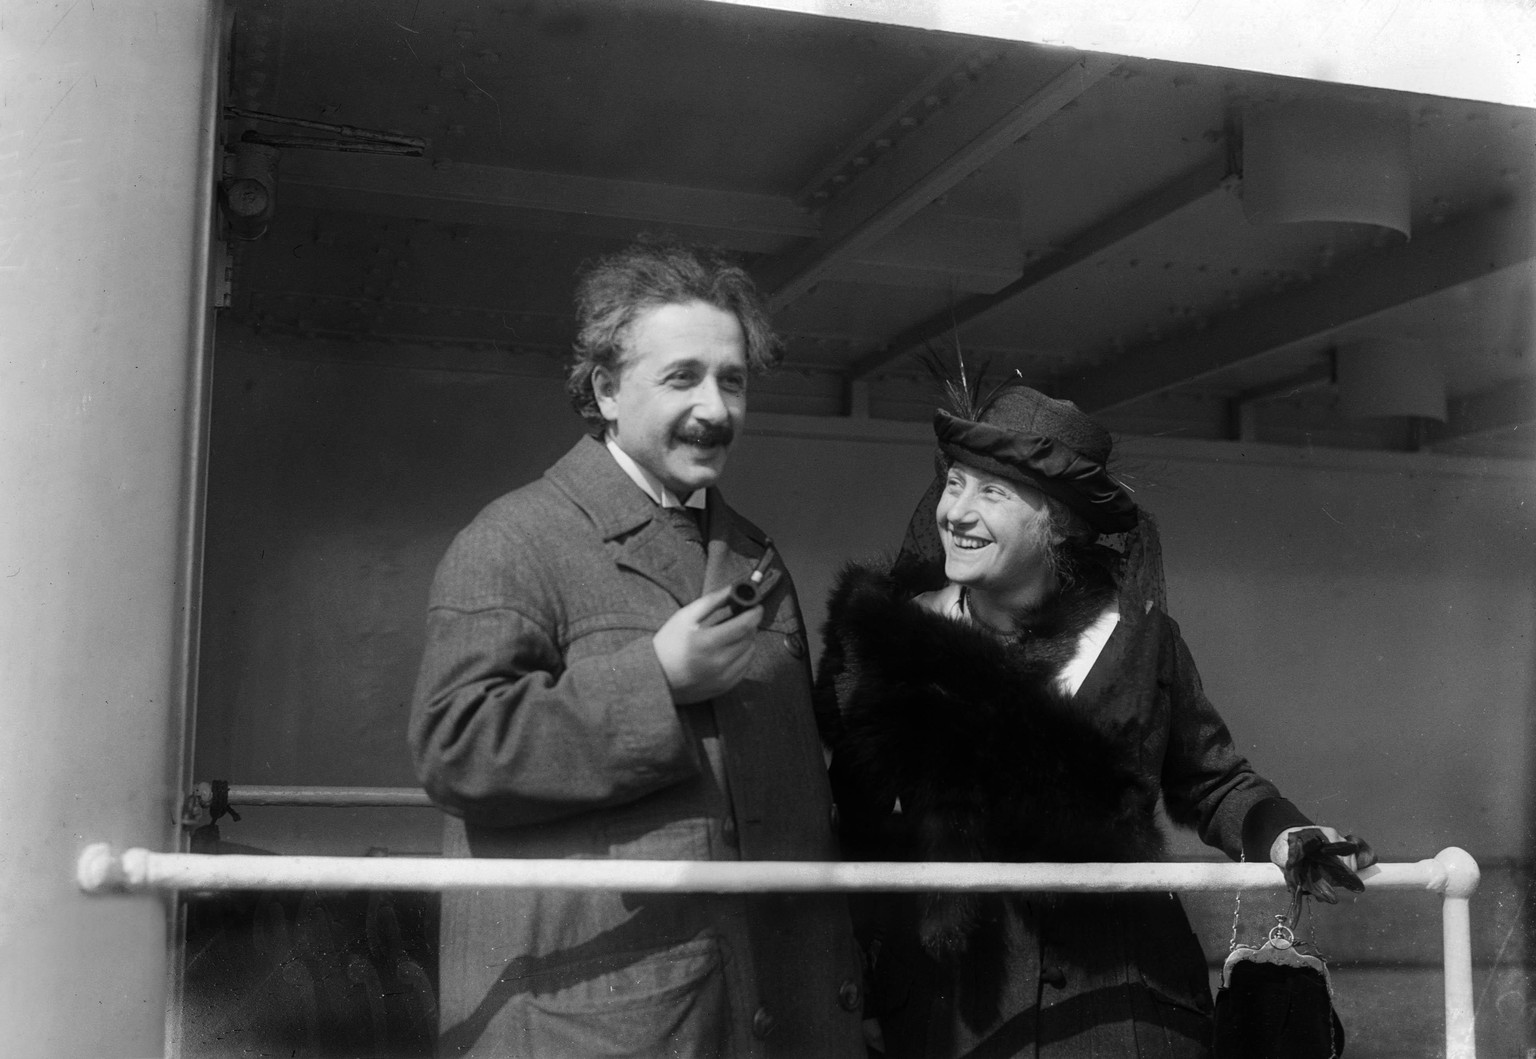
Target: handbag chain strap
{"x":1237,"y":909}
{"x":1298,"y":906}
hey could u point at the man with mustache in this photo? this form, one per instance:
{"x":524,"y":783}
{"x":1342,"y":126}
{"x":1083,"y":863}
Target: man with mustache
{"x":587,"y":691}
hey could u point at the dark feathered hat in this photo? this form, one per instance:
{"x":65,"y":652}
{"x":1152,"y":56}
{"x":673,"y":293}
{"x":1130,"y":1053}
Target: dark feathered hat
{"x":1050,"y":444}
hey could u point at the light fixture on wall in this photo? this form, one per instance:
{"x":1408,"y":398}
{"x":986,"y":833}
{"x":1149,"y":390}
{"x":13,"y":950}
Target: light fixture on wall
{"x":1326,"y":160}
{"x":248,"y":194}
{"x":1390,"y":377}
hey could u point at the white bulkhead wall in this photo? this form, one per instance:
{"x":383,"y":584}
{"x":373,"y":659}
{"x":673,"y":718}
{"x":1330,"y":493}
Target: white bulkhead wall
{"x":106,"y":121}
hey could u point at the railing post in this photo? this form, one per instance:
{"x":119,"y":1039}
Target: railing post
{"x":1461,"y":878}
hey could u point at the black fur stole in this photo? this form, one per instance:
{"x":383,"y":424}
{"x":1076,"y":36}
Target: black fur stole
{"x":989,"y":762}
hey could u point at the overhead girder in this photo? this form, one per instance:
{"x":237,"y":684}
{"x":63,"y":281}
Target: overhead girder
{"x":1007,"y":102}
{"x":1355,"y":291}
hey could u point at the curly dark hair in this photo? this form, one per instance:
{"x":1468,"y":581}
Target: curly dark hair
{"x":613,"y":290}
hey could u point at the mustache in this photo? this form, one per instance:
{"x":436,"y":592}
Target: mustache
{"x":707,"y":434}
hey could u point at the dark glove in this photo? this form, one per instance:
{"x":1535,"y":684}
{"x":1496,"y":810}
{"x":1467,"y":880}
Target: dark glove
{"x":1313,"y":863}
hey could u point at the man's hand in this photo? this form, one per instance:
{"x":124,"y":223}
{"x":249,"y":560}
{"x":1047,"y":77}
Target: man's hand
{"x":703,"y":651}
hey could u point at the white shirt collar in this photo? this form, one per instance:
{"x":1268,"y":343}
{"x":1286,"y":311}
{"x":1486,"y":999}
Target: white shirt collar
{"x":663,"y":496}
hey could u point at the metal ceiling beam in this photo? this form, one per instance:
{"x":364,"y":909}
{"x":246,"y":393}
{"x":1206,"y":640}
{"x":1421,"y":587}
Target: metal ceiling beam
{"x":1508,"y":405}
{"x":1189,"y":186}
{"x":459,"y":192}
{"x":941,"y":250}
{"x":1437,"y":258}
{"x":938,"y":84}
{"x":1242,"y":422}
{"x":928,"y":162}
{"x":973,"y":253}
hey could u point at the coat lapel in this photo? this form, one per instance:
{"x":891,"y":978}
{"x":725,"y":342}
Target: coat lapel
{"x":638,"y":538}
{"x":657,"y":553}
{"x":733,"y":550}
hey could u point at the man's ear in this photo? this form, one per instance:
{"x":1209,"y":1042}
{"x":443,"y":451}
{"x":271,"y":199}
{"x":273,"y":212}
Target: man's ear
{"x":605,"y":387}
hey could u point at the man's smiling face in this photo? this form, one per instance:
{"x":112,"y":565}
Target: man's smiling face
{"x":680,"y":394}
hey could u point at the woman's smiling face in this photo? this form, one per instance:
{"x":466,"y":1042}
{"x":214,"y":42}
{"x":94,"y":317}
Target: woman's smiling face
{"x":996,"y":531}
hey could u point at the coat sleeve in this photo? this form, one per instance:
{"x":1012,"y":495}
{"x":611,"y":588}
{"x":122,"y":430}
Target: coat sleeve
{"x":504,"y":730}
{"x":1207,"y":784}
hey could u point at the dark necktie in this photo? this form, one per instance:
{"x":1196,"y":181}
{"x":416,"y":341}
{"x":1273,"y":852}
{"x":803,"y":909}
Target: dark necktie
{"x":686,"y":521}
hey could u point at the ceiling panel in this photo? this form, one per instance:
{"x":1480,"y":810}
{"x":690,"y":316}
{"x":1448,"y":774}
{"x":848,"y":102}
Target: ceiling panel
{"x":1077,"y":217}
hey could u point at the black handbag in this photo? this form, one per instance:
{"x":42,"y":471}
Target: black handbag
{"x":1276,"y":1002}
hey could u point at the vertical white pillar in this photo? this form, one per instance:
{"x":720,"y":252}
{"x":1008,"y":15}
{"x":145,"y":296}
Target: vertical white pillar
{"x":1461,"y":879}
{"x":106,"y":153}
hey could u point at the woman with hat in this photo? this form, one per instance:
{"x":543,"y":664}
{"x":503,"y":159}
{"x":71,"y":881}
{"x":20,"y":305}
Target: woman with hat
{"x":1013,"y":689}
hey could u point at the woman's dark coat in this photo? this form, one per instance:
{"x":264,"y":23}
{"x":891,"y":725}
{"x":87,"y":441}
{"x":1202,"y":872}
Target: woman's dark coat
{"x":949,"y":744}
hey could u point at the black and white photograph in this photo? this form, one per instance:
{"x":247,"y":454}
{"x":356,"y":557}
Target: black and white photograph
{"x":761,"y":529}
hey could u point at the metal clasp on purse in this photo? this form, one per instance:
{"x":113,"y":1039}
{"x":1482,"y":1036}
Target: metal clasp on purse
{"x":1280,"y":948}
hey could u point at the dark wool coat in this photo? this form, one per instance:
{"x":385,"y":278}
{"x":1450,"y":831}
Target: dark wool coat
{"x":949,"y":744}
{"x":544,"y":724}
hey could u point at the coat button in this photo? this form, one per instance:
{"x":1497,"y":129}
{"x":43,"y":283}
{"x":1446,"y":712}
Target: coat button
{"x":794,"y":643}
{"x":763,"y":1024}
{"x":848,"y":995}
{"x":1054,"y":976}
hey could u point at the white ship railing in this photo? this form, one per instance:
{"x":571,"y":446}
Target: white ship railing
{"x":1452,"y":873}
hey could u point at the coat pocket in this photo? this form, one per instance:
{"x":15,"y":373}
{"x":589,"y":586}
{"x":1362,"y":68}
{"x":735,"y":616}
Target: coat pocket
{"x":671,"y":1002}
{"x":643,"y":836}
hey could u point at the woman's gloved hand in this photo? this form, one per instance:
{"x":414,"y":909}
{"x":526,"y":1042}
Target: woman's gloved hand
{"x":1317,"y":860}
